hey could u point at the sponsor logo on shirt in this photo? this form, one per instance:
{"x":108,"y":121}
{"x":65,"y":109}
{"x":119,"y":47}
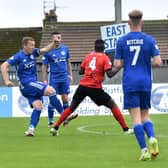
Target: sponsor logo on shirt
{"x":62,"y":59}
{"x":29,"y":65}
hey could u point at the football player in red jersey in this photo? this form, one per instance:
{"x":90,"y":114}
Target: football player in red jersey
{"x":93,"y":68}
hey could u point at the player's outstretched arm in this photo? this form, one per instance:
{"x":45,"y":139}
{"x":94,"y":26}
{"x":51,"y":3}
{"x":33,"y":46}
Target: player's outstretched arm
{"x":47,"y":48}
{"x":112,"y":72}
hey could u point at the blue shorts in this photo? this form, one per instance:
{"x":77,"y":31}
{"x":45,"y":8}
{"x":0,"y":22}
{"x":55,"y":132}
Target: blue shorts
{"x":33,"y":91}
{"x":61,"y":87}
{"x":137,"y":99}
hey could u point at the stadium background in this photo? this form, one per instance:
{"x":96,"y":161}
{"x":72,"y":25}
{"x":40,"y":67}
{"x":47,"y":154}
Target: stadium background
{"x":89,"y":141}
{"x":80,"y":37}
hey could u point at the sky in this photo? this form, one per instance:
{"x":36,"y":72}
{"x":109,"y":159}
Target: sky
{"x":30,"y":13}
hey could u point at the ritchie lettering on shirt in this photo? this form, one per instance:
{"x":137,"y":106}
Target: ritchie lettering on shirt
{"x":135,"y":41}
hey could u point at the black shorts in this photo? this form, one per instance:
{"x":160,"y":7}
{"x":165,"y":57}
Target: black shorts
{"x":98,"y":95}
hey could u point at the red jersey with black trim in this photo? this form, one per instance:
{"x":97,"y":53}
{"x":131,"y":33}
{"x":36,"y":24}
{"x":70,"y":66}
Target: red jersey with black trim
{"x":95,"y":65}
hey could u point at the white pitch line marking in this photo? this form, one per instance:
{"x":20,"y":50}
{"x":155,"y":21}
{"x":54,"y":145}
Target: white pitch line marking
{"x":85,"y":129}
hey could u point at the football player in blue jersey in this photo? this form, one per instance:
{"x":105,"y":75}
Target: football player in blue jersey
{"x":57,"y":63}
{"x":137,"y":52}
{"x":34,"y":90}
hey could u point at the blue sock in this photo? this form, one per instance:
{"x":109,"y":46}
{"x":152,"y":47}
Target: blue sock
{"x":140,"y":136}
{"x":50,"y":113}
{"x":34,"y":119}
{"x":56,"y":103}
{"x":65,"y":105}
{"x":149,"y":128}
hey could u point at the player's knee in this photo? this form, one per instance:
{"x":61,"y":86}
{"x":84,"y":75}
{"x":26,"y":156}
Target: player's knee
{"x":65,"y":99}
{"x":38,"y":104}
{"x":49,"y":90}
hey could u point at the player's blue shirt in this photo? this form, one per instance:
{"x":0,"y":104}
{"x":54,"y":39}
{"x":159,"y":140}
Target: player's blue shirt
{"x":25,"y":66}
{"x":136,"y":50}
{"x":56,"y":59}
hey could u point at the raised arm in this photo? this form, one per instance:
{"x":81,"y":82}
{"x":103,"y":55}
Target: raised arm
{"x":47,"y":48}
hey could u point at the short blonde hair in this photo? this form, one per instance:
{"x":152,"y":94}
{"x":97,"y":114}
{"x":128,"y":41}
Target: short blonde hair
{"x":26,"y":39}
{"x":135,"y":16}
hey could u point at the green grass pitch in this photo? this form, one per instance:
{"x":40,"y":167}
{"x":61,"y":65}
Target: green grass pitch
{"x":88,"y":142}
